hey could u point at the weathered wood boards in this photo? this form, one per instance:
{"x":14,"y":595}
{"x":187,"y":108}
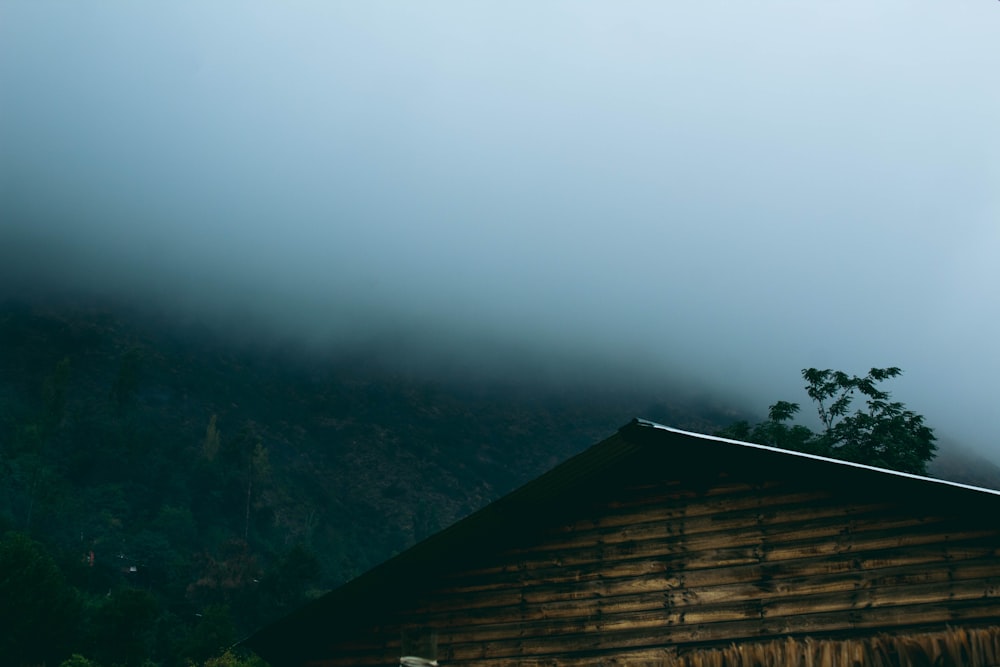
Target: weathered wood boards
{"x":680,"y":552}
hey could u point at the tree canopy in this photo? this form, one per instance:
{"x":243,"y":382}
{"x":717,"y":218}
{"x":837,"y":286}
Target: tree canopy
{"x":39,"y":611}
{"x":883,"y":433}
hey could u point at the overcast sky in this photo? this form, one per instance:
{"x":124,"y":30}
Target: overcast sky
{"x":726,"y":191}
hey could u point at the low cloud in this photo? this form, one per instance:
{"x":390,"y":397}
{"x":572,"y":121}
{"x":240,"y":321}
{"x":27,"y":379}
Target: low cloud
{"x":715,"y":194}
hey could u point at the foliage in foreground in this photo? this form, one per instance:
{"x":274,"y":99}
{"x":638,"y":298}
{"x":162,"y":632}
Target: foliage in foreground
{"x":883,"y":433}
{"x":952,"y":646}
{"x":227,"y":659}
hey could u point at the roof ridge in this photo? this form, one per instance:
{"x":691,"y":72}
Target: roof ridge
{"x":646,"y":423}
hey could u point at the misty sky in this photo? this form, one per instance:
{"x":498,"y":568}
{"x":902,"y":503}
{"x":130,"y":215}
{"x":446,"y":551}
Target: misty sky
{"x":721,"y":191}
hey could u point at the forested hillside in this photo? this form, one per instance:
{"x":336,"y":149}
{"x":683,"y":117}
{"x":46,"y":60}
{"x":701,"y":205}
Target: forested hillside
{"x":190,"y":489}
{"x":164,"y":490}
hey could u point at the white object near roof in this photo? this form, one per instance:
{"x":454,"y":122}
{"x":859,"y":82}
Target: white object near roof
{"x":414,"y":661}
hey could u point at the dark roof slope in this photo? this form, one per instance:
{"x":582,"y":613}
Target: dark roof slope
{"x":544,"y":500}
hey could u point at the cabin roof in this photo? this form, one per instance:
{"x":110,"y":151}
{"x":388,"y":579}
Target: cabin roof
{"x":547,"y":498}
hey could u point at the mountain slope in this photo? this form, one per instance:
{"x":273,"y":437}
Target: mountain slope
{"x":244,"y":477}
{"x":228,"y":482}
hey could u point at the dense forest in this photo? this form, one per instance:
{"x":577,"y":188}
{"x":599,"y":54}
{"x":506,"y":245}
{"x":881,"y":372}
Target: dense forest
{"x":176,"y":490}
{"x":165,"y":490}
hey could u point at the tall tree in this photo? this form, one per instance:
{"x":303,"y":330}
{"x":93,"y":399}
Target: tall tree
{"x":123,"y":627}
{"x":883,"y":433}
{"x":39,"y":611}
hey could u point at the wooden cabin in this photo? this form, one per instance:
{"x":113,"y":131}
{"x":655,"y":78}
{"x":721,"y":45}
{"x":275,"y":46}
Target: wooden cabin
{"x":662,"y":547}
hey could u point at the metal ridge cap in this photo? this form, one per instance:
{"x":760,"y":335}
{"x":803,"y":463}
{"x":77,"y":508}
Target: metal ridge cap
{"x":646,"y":423}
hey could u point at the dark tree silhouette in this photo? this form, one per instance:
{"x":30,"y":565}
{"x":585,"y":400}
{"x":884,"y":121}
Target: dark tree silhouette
{"x":883,"y":434}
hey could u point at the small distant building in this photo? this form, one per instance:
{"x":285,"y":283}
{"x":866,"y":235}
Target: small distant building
{"x":663,"y":547}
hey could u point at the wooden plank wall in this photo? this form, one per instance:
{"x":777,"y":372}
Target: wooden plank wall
{"x":664,"y":566}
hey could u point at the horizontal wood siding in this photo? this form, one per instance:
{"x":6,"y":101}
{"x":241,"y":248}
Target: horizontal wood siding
{"x":669,"y":566}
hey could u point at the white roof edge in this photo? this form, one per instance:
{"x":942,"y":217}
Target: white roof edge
{"x":790,"y":452}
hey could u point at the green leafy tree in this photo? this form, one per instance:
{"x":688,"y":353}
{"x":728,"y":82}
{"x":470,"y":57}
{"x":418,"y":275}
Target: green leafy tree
{"x":286,"y":584}
{"x":214,"y":633}
{"x":77,"y":660}
{"x":126,"y":385}
{"x":883,"y":433}
{"x":39,"y":611}
{"x":210,"y":445}
{"x":123,"y":628}
{"x":244,"y":473}
{"x":231,"y":659}
{"x":54,"y":390}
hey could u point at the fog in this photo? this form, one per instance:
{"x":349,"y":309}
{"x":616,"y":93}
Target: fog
{"x":715,"y":193}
